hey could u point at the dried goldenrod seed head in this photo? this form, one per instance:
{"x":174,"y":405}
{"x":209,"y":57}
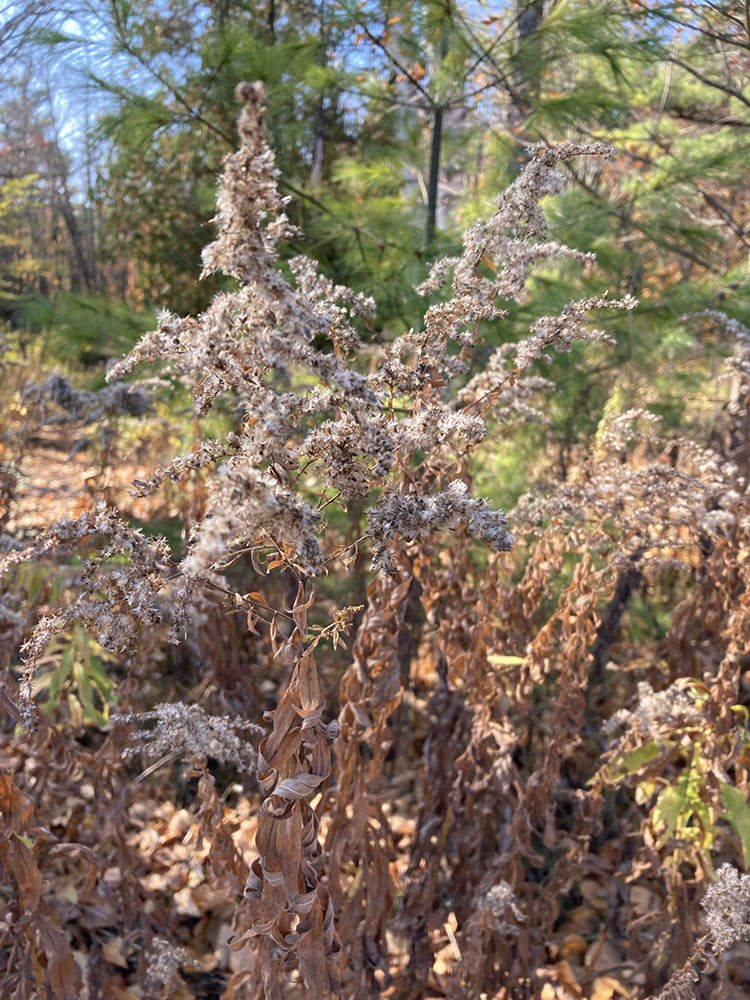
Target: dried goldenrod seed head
{"x":249,"y":93}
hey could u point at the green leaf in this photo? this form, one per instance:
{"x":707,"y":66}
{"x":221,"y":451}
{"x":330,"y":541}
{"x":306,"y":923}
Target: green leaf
{"x":99,"y":677}
{"x":670,"y":808}
{"x":703,"y":836}
{"x":81,"y":640}
{"x":737,"y":814}
{"x":633,"y":761}
{"x":90,"y":713}
{"x":61,"y":675}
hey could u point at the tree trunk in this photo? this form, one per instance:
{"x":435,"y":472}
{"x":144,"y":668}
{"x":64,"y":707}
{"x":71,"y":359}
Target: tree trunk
{"x":528,"y":55}
{"x":81,"y":256}
{"x":319,"y":149}
{"x":527,"y":70}
{"x":434,"y":177}
{"x":432,"y":187}
{"x":628,"y":582}
{"x":319,"y":146}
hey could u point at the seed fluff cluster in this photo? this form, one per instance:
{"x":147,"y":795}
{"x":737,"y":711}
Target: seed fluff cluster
{"x":112,"y":594}
{"x":727,"y":907}
{"x":189,"y":732}
{"x":662,"y":496}
{"x":656,"y":713}
{"x":501,"y":901}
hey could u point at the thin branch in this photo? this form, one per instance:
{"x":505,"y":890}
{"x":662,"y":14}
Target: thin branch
{"x":611,"y":210}
{"x":395,"y":62}
{"x":724,"y":88}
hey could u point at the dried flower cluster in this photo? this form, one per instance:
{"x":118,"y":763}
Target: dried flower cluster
{"x":416,"y":517}
{"x":80,"y":404}
{"x":727,"y":906}
{"x":560,"y":332}
{"x":500,"y":900}
{"x":207,"y":453}
{"x":114,"y":601}
{"x":656,"y":713}
{"x":164,"y":961}
{"x":727,"y":909}
{"x":189,"y":732}
{"x":265,"y":331}
{"x":660,"y":506}
{"x":514,"y":238}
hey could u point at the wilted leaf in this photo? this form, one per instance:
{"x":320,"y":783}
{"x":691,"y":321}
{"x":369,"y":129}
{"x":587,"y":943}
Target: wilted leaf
{"x":113,"y":952}
{"x":62,"y":971}
{"x":26,"y":873}
{"x":607,"y":987}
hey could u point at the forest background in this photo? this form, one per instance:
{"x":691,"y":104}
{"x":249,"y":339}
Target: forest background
{"x":392,"y":131}
{"x":394,"y":126}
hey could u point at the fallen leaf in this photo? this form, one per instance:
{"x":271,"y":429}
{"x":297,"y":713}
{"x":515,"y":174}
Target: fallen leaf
{"x":113,"y":952}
